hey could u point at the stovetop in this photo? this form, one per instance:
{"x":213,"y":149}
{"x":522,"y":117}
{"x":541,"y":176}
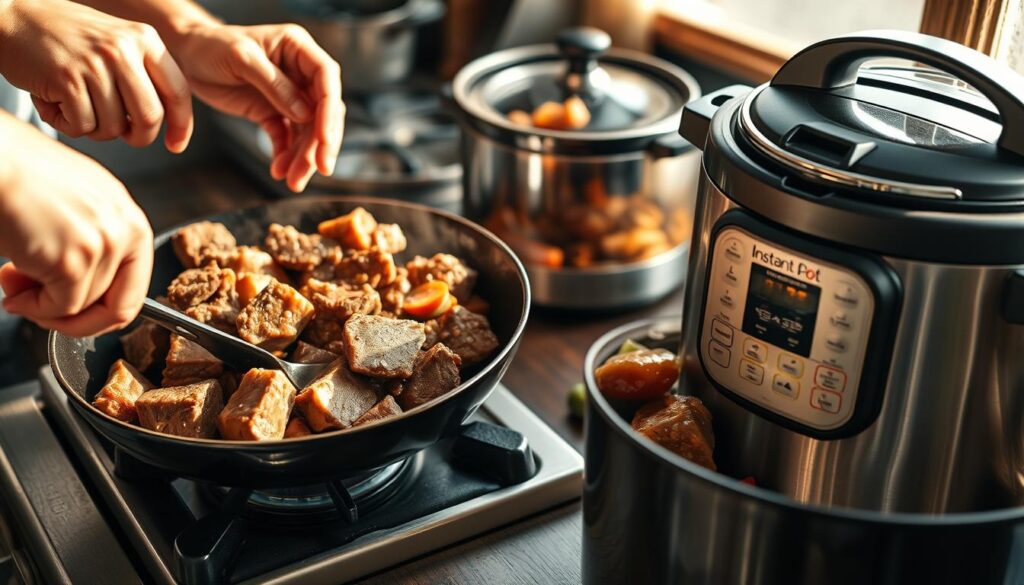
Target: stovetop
{"x":74,"y":510}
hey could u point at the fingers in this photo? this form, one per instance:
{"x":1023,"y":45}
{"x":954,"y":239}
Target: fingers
{"x":141,"y":101}
{"x":303,"y":163}
{"x":255,"y":67}
{"x":315,"y":64}
{"x":332,"y":116}
{"x":15,"y":282}
{"x":174,"y":94}
{"x":111,"y":119}
{"x":73,"y":115}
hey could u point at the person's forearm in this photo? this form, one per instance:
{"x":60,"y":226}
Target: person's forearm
{"x":171,"y":18}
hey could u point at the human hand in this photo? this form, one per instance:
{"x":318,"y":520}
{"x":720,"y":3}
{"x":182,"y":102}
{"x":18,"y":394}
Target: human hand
{"x":276,"y":76}
{"x":81,"y":250}
{"x":95,"y":75}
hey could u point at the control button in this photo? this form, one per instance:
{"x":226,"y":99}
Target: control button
{"x":721,"y":333}
{"x":825,"y":400}
{"x":788,"y":387}
{"x":846,"y":293}
{"x":731,"y":276}
{"x":751,"y":372}
{"x":733,"y":249}
{"x":840,"y":320}
{"x":728,"y":299}
{"x":830,"y":378}
{"x":755,"y":350}
{"x":719,"y":354}
{"x":791,"y":364}
{"x":837,"y":343}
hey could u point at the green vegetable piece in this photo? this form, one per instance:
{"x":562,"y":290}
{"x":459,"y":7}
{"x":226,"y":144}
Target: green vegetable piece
{"x":577,"y":400}
{"x":629,"y":346}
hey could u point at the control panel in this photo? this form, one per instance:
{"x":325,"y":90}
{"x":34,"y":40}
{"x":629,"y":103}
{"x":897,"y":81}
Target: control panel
{"x":785,"y":330}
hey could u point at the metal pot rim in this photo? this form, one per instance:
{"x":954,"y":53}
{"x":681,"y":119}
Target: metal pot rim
{"x":602,"y":348}
{"x":385,"y":19}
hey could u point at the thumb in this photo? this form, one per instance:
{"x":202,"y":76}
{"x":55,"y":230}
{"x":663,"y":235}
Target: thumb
{"x":255,"y":68}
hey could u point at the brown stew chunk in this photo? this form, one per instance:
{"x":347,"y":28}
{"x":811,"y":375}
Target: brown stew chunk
{"x":336,"y":399}
{"x":297,"y":428}
{"x":392,"y":296}
{"x":382,"y":347}
{"x":194,"y":243}
{"x":325,"y":331}
{"x":259,"y":409}
{"x":201,"y":285}
{"x":250,"y":260}
{"x":371,"y":267}
{"x":436,"y":373}
{"x":221,"y":314}
{"x":341,"y":301}
{"x":354,"y":230}
{"x":295,"y":250}
{"x":638,"y":375}
{"x":389,"y":237}
{"x":306,"y":353}
{"x":386,"y":408}
{"x":680,"y":424}
{"x":124,"y":386}
{"x":251,"y":284}
{"x":146,"y":345}
{"x":188,"y":362}
{"x":467,"y":334}
{"x":275,"y":318}
{"x":460,"y":278}
{"x":185,"y":411}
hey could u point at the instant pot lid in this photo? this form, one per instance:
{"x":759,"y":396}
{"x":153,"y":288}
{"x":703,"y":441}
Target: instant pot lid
{"x":633,"y":98}
{"x":909,"y":131}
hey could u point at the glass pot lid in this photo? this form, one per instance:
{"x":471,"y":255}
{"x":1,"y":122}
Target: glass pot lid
{"x":630,"y":98}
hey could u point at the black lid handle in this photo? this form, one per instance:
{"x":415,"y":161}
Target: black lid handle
{"x":834,"y":63}
{"x":581,"y":46}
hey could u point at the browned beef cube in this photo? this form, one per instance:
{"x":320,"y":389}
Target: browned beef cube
{"x":382,"y":347}
{"x":681,"y":424}
{"x":337,"y":346}
{"x":436,"y":373}
{"x":185,"y":411}
{"x":306,"y":353}
{"x":259,"y":409}
{"x":371,"y":267}
{"x":221,"y":314}
{"x":229,"y":381}
{"x":386,"y":408}
{"x":188,"y":362}
{"x":341,"y":301}
{"x":431,"y":330}
{"x":324,"y":273}
{"x":388,"y":237}
{"x":297,"y":428}
{"x":468,"y":335}
{"x":146,"y":345}
{"x":124,"y":386}
{"x":460,"y":278}
{"x":323,"y":331}
{"x":201,"y":285}
{"x":249,"y":260}
{"x":275,"y":318}
{"x":194,"y":243}
{"x":295,"y":250}
{"x":393,"y":295}
{"x":336,"y":399}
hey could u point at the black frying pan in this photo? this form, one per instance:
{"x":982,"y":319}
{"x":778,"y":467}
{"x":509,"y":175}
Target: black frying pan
{"x":81,"y":365}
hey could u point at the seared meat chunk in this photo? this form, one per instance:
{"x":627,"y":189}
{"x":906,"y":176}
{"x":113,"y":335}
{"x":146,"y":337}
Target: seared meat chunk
{"x":324,"y":272}
{"x":310,"y":354}
{"x":188,"y":362}
{"x":341,"y":301}
{"x":371,"y":267}
{"x":221,"y":314}
{"x":336,"y":399}
{"x":185,"y":411}
{"x":296,"y":428}
{"x":201,"y":285}
{"x":680,"y":424}
{"x":393,"y":295}
{"x":229,"y":381}
{"x":388,"y":237}
{"x":146,"y":345}
{"x":468,"y":335}
{"x":249,"y":260}
{"x":251,"y":284}
{"x":353,"y":230}
{"x":382,"y":347}
{"x":124,"y":386}
{"x":386,"y":408}
{"x":275,"y":318}
{"x":298,"y":251}
{"x":324,"y":331}
{"x":460,"y":278}
{"x":194,"y":243}
{"x":259,"y":409}
{"x":436,"y":373}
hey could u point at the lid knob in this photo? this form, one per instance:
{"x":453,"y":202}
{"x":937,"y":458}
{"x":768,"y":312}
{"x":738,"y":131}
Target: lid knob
{"x":581,"y":46}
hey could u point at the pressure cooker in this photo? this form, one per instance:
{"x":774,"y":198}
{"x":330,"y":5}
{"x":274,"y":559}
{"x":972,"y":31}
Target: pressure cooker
{"x":854,"y":314}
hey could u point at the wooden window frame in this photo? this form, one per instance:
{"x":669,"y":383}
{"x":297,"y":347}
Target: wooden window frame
{"x":751,"y":54}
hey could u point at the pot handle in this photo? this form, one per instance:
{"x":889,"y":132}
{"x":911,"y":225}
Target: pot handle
{"x":834,"y":63}
{"x":696,"y":121}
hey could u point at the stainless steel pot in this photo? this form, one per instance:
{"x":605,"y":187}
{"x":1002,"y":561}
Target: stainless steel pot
{"x":374,"y":41}
{"x":854,"y":316}
{"x":527,"y":183}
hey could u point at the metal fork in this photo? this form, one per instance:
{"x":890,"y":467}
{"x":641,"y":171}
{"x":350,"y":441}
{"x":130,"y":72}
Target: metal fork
{"x":229,"y":349}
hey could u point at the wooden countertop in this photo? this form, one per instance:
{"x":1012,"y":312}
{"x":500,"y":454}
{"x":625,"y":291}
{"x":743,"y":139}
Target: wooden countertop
{"x":542,"y":549}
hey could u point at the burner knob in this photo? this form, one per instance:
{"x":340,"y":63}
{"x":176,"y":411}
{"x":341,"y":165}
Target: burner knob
{"x":496,"y":452}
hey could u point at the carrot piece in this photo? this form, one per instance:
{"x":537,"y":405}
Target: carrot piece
{"x":577,"y":116}
{"x":550,"y":115}
{"x":426,"y":299}
{"x":520,"y":117}
{"x":353,"y":230}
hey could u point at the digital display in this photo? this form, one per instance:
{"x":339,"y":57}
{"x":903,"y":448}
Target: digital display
{"x":781,"y":310}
